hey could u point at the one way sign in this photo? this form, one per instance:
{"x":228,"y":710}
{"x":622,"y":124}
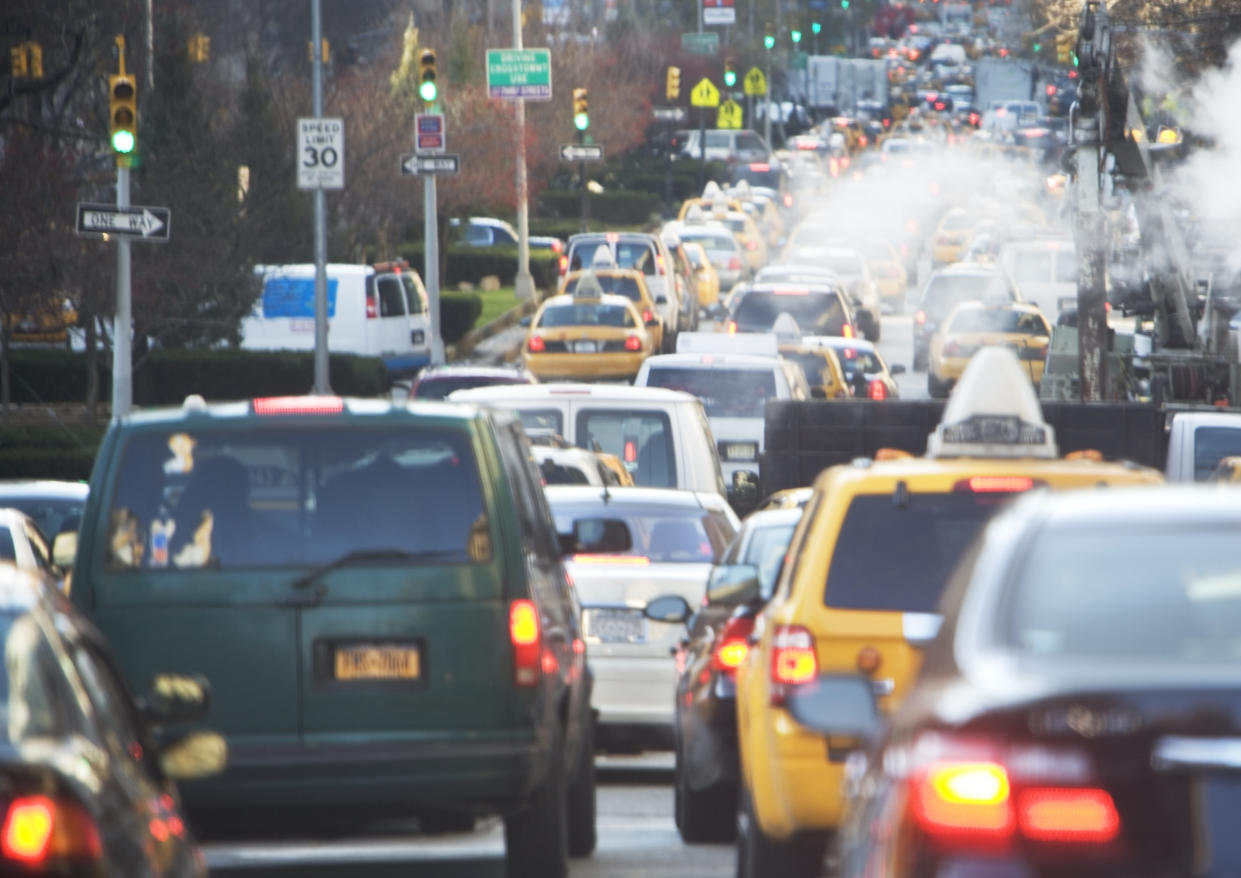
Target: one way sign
{"x":143,"y":223}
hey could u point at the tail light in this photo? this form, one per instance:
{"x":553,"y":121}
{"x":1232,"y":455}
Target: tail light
{"x":968,"y":799}
{"x":298,"y":405}
{"x":793,"y":661}
{"x":557,"y":246}
{"x":846,"y":331}
{"x":788,"y":199}
{"x":995,"y":484}
{"x":732,"y":327}
{"x":734,"y":263}
{"x":920,"y":318}
{"x":878,"y":390}
{"x":536,"y":345}
{"x":372,"y":307}
{"x":751,"y":244}
{"x":659,"y":265}
{"x":40,"y":831}
{"x":563,"y":264}
{"x":523,"y":629}
{"x":733,"y":646}
{"x":648,"y":316}
{"x":1068,"y":815}
{"x":633,"y":343}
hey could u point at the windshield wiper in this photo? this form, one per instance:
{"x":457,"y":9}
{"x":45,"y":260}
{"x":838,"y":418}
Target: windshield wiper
{"x":365,"y":556}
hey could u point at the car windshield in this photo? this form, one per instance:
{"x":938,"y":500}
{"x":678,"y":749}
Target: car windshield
{"x":661,"y":534}
{"x":815,"y":313}
{"x":611,"y":283}
{"x":725,"y":393}
{"x":945,"y":291}
{"x":714,"y":243}
{"x":232,"y":498}
{"x":615,"y":316}
{"x":1170,"y":595}
{"x":50,"y":514}
{"x":932,"y":531}
{"x":1031,"y":266}
{"x":998,"y":320}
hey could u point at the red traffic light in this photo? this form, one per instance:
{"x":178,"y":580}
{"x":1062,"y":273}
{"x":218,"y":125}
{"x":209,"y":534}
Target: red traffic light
{"x":1051,"y":89}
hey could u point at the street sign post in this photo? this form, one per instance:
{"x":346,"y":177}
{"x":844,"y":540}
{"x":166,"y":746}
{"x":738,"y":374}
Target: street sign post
{"x":668,"y":114}
{"x":705,"y":43}
{"x":320,"y":154}
{"x":581,"y":152}
{"x":755,"y":82}
{"x":729,"y":115}
{"x":140,"y":223}
{"x":705,"y":94}
{"x":517,"y":74}
{"x":429,"y":132}
{"x":718,"y":12}
{"x":436,"y":163}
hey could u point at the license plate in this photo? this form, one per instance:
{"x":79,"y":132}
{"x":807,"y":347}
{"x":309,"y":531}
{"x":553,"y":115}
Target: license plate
{"x":740,"y":451}
{"x":585,"y":347}
{"x":377,"y":663}
{"x":616,"y":626}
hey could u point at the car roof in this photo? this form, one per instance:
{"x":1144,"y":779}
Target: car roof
{"x":567,"y":390}
{"x":297,"y":409}
{"x":996,"y":305}
{"x":748,"y":361}
{"x":771,"y":518}
{"x":50,"y":488}
{"x":482,"y":369}
{"x":632,"y":496}
{"x":966,"y":268}
{"x":579,"y":298}
{"x":1123,"y":506}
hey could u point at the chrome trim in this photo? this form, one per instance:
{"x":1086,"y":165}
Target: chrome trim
{"x":882,"y":687}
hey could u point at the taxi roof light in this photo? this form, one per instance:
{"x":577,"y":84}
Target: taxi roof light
{"x":993,"y":412}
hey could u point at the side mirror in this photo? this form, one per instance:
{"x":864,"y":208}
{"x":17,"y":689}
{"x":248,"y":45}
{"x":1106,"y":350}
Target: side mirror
{"x":671,"y":608}
{"x":838,"y":706}
{"x":176,"y":698}
{"x":193,"y":756}
{"x":898,"y":369}
{"x":597,"y":536}
{"x":64,"y":547}
{"x":525,"y":321}
{"x":733,"y":584}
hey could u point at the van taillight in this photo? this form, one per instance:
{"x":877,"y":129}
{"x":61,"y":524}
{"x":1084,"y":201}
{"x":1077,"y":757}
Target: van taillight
{"x":793,"y":661}
{"x":733,"y":646}
{"x":523,"y":629}
{"x":878,"y":390}
{"x":41,"y":831}
{"x":372,"y":307}
{"x":563,"y":263}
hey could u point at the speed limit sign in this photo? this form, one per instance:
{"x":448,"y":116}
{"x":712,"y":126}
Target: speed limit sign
{"x":320,"y":154}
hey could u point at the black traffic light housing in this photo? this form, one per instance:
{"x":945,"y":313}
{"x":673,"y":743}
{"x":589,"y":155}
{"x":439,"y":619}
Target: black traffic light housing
{"x":581,"y":109}
{"x":428,"y":89}
{"x":123,"y":113}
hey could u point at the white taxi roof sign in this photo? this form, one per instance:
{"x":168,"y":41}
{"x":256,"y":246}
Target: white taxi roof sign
{"x":762,"y":344}
{"x":712,"y":190}
{"x":786,"y":329}
{"x":993,"y":412}
{"x":603,"y":257}
{"x":588,"y":286}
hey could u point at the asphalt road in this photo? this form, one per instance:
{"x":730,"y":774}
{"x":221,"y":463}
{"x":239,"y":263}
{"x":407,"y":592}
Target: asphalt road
{"x":637,"y":837}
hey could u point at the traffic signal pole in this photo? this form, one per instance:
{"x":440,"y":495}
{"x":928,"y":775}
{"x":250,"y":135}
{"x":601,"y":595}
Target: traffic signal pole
{"x":523,"y":283}
{"x":322,"y":385}
{"x":122,"y":322}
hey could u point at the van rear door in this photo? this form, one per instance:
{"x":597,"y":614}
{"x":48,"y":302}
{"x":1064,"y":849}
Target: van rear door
{"x":389,"y":322}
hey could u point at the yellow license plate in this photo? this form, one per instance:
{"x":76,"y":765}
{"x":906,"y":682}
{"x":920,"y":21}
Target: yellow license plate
{"x":377,"y":663}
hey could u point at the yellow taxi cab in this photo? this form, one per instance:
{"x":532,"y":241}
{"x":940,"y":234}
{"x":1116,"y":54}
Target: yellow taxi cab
{"x":712,"y":196}
{"x":746,"y":231}
{"x":822,"y":369}
{"x":764,"y":211}
{"x":708,"y":277}
{"x":950,"y":236}
{"x":888,"y":270}
{"x":626,"y":282}
{"x":973,"y":325}
{"x":616,"y":466}
{"x":859,"y":590}
{"x":787,"y":498}
{"x":587,"y":335}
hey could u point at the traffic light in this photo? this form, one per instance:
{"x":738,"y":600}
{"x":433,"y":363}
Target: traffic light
{"x":1051,"y":89}
{"x":26,"y":61}
{"x":844,"y":4}
{"x":730,"y":73}
{"x":815,"y":27}
{"x":427,"y":89}
{"x":18,"y":64}
{"x":795,"y":35}
{"x":769,"y":36}
{"x":672,"y":88}
{"x":581,"y":109}
{"x":199,"y":48}
{"x":123,"y":113}
{"x":1037,"y":47}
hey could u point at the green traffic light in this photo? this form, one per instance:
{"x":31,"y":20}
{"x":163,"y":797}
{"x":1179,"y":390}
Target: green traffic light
{"x":1074,"y":59}
{"x":816,"y":27}
{"x":581,"y":121}
{"x":123,"y":142}
{"x":796,"y":35}
{"x":730,"y":78}
{"x":1038,"y":47}
{"x":427,"y":91}
{"x":769,"y":42}
{"x":844,"y":4}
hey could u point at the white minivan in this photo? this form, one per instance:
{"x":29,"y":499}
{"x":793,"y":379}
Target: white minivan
{"x":663,"y":437}
{"x":375,"y":310}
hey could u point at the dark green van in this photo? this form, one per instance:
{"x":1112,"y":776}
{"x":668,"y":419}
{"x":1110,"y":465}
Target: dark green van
{"x":374,"y":591}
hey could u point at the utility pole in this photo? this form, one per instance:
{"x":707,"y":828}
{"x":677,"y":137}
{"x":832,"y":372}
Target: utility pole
{"x":524,"y":283}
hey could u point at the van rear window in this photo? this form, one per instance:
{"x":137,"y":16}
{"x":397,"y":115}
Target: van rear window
{"x":898,"y":556}
{"x":228,"y":498}
{"x":642,"y":439}
{"x":725,"y":393}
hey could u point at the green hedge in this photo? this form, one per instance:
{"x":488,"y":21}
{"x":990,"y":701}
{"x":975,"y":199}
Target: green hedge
{"x":30,"y":451}
{"x":458,"y":314}
{"x":166,"y":377}
{"x":612,"y":206}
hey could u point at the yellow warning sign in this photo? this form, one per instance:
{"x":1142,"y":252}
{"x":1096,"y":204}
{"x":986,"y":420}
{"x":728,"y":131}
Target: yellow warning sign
{"x":705,"y":94}
{"x":729,"y":115}
{"x":755,"y":82}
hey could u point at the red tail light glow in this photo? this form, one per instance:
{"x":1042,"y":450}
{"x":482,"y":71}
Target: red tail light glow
{"x":299,"y":405}
{"x":878,"y":390}
{"x":734,"y":263}
{"x":995,"y":484}
{"x":633,"y":343}
{"x":563,"y":264}
{"x":760,"y":166}
{"x":659,"y":265}
{"x":733,"y":646}
{"x":39,"y":829}
{"x":788,"y":199}
{"x":372,"y":307}
{"x":920,"y":318}
{"x":793,"y":660}
{"x":965,"y":799}
{"x":1068,"y":815}
{"x":751,"y":244}
{"x":523,"y":628}
{"x":732,"y":327}
{"x":648,"y":316}
{"x":536,"y":345}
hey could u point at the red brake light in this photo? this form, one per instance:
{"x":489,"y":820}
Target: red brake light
{"x":38,"y":829}
{"x":659,"y":265}
{"x":733,"y":646}
{"x":793,"y":659}
{"x":299,"y":405}
{"x":523,"y":628}
{"x":1068,"y":814}
{"x":878,"y":390}
{"x":372,"y":308}
{"x":995,"y":484}
{"x":760,"y":166}
{"x":732,"y":327}
{"x":965,"y":799}
{"x":633,"y":343}
{"x":846,"y":331}
{"x":631,"y":451}
{"x":920,"y":317}
{"x":751,"y":244}
{"x":786,"y":291}
{"x":557,"y":246}
{"x":788,"y":199}
{"x":536,"y":345}
{"x":734,"y":263}
{"x":563,"y":263}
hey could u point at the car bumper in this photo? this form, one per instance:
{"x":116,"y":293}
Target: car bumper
{"x":401,"y":367}
{"x":634,"y":691}
{"x":948,"y":368}
{"x":585,"y":367}
{"x":707,"y":731}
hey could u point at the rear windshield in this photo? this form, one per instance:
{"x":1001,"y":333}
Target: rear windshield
{"x":661,"y":534}
{"x":725,"y":393}
{"x":228,"y":498}
{"x":956,"y":221}
{"x":542,"y":422}
{"x":1211,"y":445}
{"x":642,"y":439}
{"x":614,"y":316}
{"x":815,"y":313}
{"x":713,"y":241}
{"x":1167,"y":595}
{"x":611,"y":283}
{"x":1044,"y":266}
{"x":931,"y":530}
{"x":855,"y":359}
{"x":998,"y":320}
{"x":812,"y":366}
{"x":946,"y":291}
{"x":626,"y":254}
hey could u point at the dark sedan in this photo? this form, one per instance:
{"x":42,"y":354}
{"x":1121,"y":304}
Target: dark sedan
{"x":84,"y":789}
{"x":705,"y":734}
{"x":1080,"y":711}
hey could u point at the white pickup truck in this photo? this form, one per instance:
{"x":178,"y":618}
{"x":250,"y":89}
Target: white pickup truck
{"x":1197,"y":441}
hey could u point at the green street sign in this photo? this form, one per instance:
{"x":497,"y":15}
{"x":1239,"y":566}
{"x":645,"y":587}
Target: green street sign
{"x":517,"y":74}
{"x":706,"y":43}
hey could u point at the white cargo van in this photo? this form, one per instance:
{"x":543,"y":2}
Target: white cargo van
{"x":373,"y":311}
{"x":1198,"y":441}
{"x":662,"y":436}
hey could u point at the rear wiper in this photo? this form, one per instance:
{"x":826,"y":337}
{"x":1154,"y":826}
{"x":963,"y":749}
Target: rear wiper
{"x":365,"y":556}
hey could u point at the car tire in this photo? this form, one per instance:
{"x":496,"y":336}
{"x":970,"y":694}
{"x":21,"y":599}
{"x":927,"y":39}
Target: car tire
{"x":704,"y":816}
{"x":536,"y":838}
{"x":759,"y":856}
{"x":581,"y":801}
